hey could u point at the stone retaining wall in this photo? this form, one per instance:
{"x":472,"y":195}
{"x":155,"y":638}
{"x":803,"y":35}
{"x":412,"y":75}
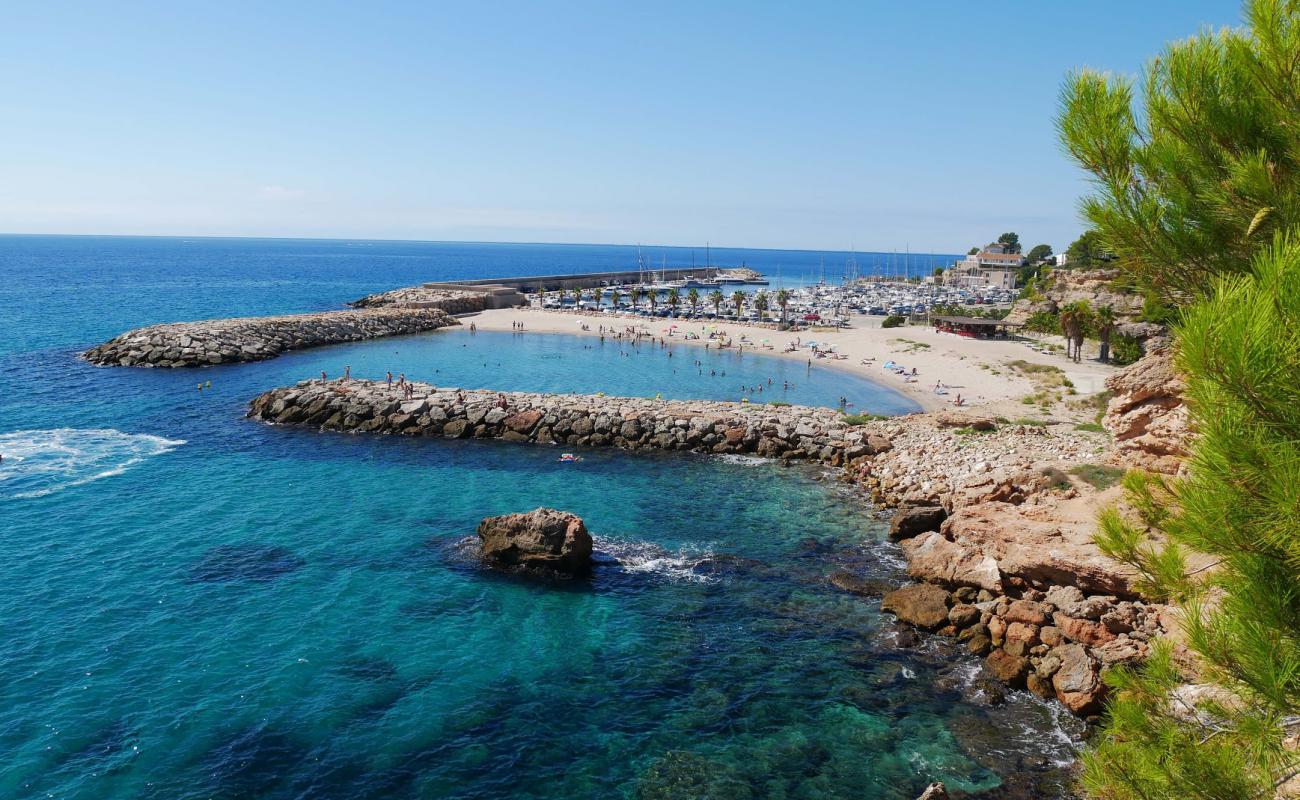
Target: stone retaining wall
{"x":791,"y":432}
{"x":224,"y":341}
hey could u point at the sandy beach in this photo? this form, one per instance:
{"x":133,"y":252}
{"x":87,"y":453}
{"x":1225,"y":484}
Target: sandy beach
{"x":976,"y":369}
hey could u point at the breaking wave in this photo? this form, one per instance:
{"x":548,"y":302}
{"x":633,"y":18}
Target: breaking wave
{"x":743,"y":460}
{"x":684,"y":564}
{"x":37,"y":463}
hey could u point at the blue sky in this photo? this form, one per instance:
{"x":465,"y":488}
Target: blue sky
{"x":876,"y":125}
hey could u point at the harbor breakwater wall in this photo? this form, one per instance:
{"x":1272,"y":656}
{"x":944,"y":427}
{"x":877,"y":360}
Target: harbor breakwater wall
{"x":789,"y":432}
{"x":226,"y":341}
{"x":453,"y":301}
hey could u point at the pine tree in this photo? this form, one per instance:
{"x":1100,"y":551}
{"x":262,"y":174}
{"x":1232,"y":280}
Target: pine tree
{"x":1201,"y":202}
{"x":1213,"y":168}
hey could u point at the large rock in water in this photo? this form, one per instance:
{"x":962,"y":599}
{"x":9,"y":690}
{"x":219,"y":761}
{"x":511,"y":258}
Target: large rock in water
{"x":545,"y":539}
{"x":922,"y":604}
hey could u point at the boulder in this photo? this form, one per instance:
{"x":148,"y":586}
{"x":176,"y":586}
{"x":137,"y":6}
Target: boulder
{"x":544,"y":539}
{"x":1082,"y":630}
{"x":922,"y":604}
{"x":910,"y":521}
{"x":1007,"y":668}
{"x":856,"y":584}
{"x":931,"y":557}
{"x":956,"y":419}
{"x":1078,"y":681}
{"x":935,"y":791}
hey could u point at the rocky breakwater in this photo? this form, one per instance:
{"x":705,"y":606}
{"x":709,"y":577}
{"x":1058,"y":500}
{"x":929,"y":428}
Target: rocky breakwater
{"x":225,"y":341}
{"x":787,"y":432}
{"x":450,"y":300}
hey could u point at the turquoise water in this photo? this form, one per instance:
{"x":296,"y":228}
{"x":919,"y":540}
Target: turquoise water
{"x":196,"y":605}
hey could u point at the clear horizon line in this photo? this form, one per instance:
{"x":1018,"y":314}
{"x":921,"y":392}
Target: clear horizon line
{"x":472,"y":241}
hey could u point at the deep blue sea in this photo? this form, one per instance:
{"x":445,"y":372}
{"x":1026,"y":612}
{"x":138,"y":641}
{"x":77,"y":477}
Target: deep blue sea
{"x":194,"y":605}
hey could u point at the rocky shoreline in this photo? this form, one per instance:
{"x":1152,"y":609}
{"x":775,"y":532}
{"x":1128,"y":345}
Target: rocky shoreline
{"x":787,"y":432}
{"x":995,"y":517}
{"x":228,"y":341}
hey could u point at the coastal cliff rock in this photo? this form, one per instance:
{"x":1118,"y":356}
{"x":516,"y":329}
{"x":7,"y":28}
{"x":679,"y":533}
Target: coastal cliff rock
{"x":1146,"y":413}
{"x":787,"y":432}
{"x":544,"y":539}
{"x":226,"y":341}
{"x":1070,"y":285}
{"x":994,"y":545}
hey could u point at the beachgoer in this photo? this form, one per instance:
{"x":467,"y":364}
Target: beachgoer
{"x":388,"y":376}
{"x":322,"y":376}
{"x":347,"y":372}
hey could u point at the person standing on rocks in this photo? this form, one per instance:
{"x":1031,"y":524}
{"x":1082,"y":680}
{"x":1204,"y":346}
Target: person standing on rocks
{"x":347,"y":372}
{"x":389,"y":378}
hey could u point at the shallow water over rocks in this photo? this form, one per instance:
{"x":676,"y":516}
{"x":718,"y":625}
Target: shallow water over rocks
{"x":278,"y":613}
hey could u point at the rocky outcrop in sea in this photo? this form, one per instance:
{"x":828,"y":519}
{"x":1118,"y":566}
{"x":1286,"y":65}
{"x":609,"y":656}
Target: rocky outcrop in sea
{"x":787,"y":432}
{"x":542,"y":540}
{"x":226,"y":341}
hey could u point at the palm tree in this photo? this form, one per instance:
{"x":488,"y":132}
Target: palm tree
{"x":1067,"y":320}
{"x":674,"y":299}
{"x":635,"y":296}
{"x":653,"y":297}
{"x":1106,"y":319}
{"x":783,"y":300}
{"x":577,"y":297}
{"x":738,"y":297}
{"x":716,"y":298}
{"x":1086,"y":322}
{"x":1074,"y":325}
{"x":598,"y":293}
{"x":693,"y":298}
{"x":760,"y":304}
{"x":614,"y":297}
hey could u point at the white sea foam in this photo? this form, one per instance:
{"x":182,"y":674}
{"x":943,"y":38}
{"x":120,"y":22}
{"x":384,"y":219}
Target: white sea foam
{"x":647,"y":557}
{"x":743,"y":460}
{"x":38,"y":463}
